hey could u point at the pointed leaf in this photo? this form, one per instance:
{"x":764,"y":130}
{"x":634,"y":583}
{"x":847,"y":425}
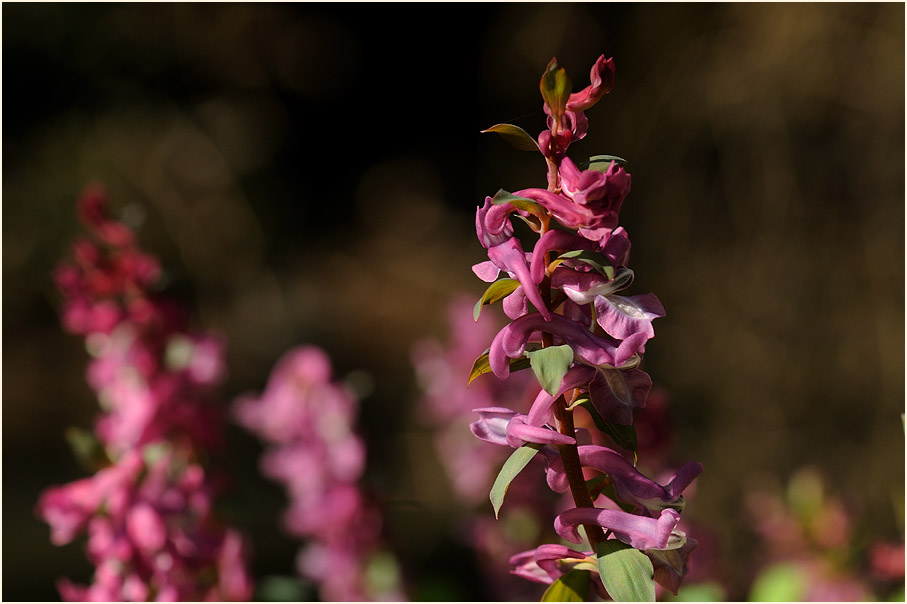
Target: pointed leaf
{"x":516,"y":136}
{"x":602,"y":162}
{"x":570,"y":587}
{"x":512,"y":467}
{"x":550,"y":366}
{"x":627,"y":573}
{"x":87,"y":448}
{"x":555,"y":86}
{"x":496,"y":291}
{"x":481,"y":366}
{"x":596,"y":260}
{"x":624,"y":436}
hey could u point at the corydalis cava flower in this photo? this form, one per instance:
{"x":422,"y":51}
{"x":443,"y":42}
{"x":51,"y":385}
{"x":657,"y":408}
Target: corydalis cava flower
{"x":307,"y":421}
{"x":148,"y":511}
{"x":584,"y":341}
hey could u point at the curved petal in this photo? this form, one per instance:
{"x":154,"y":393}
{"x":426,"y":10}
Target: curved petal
{"x":601,"y":77}
{"x":520,"y":433}
{"x":587,"y":347}
{"x":622,"y":316}
{"x":492,"y":424}
{"x":640,"y":532}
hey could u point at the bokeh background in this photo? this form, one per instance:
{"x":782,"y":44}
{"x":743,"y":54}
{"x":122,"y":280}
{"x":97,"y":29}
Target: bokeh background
{"x":309,"y":173}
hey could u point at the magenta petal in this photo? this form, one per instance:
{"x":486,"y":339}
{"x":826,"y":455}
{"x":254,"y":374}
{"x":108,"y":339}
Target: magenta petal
{"x":602,"y":82}
{"x":623,"y":316}
{"x":640,"y":532}
{"x":510,"y":256}
{"x":486,"y":271}
{"x":616,"y":392}
{"x":515,"y":305}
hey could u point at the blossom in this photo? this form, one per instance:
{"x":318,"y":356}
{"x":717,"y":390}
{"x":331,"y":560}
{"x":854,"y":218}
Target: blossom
{"x":148,"y":511}
{"x":307,"y":421}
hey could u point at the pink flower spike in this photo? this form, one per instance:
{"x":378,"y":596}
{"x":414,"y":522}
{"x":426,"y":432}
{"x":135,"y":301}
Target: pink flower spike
{"x":640,"y":532}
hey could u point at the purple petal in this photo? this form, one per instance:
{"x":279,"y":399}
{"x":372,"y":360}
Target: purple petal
{"x":492,"y":424}
{"x":519,"y":433}
{"x":640,"y":532}
{"x":587,"y":347}
{"x":622,"y":317}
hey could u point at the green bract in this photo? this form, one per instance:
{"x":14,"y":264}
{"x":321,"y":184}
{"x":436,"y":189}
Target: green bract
{"x":627,"y":573}
{"x":511,"y":468}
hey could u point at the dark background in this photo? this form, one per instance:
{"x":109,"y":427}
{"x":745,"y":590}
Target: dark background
{"x":309,"y":173}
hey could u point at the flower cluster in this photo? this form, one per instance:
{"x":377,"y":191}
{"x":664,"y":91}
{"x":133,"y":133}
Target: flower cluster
{"x":584,"y":342}
{"x":446,"y":407}
{"x":806,"y":540}
{"x":308,"y":422}
{"x":149,"y":509}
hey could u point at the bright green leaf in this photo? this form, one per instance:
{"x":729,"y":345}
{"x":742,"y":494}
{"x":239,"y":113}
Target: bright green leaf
{"x":624,"y":436}
{"x":516,"y":136}
{"x":602,"y":162}
{"x":550,"y":366}
{"x":570,"y":587}
{"x":555,"y":86}
{"x":626,"y":572}
{"x":518,"y":460}
{"x":496,"y":291}
{"x":481,"y":366}
{"x":596,"y":260}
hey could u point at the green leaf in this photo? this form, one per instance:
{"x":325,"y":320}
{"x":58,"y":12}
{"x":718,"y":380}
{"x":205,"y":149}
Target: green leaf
{"x":481,"y":366}
{"x":596,"y":260}
{"x":496,"y":291}
{"x":550,"y":366}
{"x":516,"y":136}
{"x":624,"y":436}
{"x":783,"y":582}
{"x":627,"y":573}
{"x":518,"y":460}
{"x":555,"y":86}
{"x":602,"y":162}
{"x":570,"y":587}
